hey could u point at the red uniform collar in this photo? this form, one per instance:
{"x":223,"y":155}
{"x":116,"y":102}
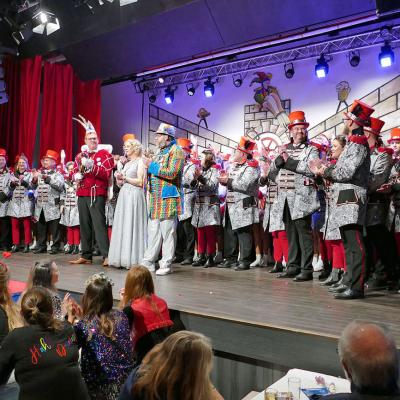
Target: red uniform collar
{"x":358,"y":139}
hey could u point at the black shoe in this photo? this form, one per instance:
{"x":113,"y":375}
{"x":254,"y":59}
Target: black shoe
{"x":242,"y":267}
{"x":187,"y":261}
{"x":69,"y":249}
{"x":349,"y":294}
{"x":287,"y":274}
{"x":40,"y":250}
{"x":54,"y":250}
{"x":332,"y":278}
{"x":227,"y":264}
{"x":200,"y":261}
{"x":75,"y":249}
{"x":303,"y":277}
{"x":377,"y":284}
{"x":278,"y":267}
{"x":210,"y":261}
{"x":15,"y":248}
{"x":177,"y":259}
{"x":338,"y":289}
{"x":26,"y":249}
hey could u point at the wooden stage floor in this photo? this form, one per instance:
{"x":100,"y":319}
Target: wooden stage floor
{"x":253,"y":297}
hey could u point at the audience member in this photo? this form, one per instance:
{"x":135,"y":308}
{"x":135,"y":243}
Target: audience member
{"x":104,"y":336}
{"x":148,"y":314}
{"x":10,"y":317}
{"x":369,"y":358}
{"x":45,"y":274}
{"x":177,"y":369}
{"x":44,"y":353}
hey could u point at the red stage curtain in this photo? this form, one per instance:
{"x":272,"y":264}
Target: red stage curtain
{"x":18,"y":117}
{"x":9,"y":117}
{"x":88,"y":104}
{"x":30,"y":75}
{"x":56,"y":124}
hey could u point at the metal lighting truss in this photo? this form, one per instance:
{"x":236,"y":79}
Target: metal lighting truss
{"x":328,"y":48}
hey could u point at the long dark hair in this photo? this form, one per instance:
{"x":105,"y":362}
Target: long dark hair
{"x":41,"y":274}
{"x":37,"y":309}
{"x":97,"y":302}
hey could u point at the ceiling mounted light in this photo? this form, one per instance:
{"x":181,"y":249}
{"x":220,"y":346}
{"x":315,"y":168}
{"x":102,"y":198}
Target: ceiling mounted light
{"x":191,"y":90}
{"x":209,"y":88}
{"x":289,"y":70}
{"x":354,"y":58}
{"x":45,"y":22}
{"x":169,"y":95}
{"x":152,"y":97}
{"x":237,"y":80}
{"x":161,"y":80}
{"x":322,"y":67}
{"x":386,"y":56}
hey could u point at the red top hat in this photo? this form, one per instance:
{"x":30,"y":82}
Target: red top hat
{"x":246,"y":145}
{"x":3,"y":153}
{"x":360,"y":113}
{"x":128,"y":136}
{"x":51,"y":154}
{"x":297,"y":118}
{"x":394,"y":135}
{"x":186,"y":144}
{"x":376,"y":126}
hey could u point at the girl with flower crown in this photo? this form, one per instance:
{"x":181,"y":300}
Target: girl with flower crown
{"x":103,"y":334}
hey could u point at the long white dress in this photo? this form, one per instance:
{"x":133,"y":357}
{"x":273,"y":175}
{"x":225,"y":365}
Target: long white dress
{"x":129,"y":233}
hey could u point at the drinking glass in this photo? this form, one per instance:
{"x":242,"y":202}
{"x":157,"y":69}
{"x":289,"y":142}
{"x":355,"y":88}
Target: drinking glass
{"x":294,"y":385}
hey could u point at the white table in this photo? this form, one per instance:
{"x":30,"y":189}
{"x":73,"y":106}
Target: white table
{"x":307,"y":381}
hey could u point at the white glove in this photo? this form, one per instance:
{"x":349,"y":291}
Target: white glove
{"x":78,"y":177}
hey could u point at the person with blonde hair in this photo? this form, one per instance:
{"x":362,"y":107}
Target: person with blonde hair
{"x":10,"y":317}
{"x":148,"y":314}
{"x":177,"y":369}
{"x":128,"y":239}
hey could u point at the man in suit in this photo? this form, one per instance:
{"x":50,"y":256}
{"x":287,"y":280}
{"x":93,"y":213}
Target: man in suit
{"x":297,"y":197}
{"x":369,"y":359}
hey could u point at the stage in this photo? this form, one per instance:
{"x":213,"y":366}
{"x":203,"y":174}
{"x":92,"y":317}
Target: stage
{"x":260,"y":326}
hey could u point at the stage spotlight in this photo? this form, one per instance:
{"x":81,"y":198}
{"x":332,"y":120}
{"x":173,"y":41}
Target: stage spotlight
{"x":45,"y":22}
{"x":152,"y":97}
{"x":161,"y":80}
{"x":289,"y":70}
{"x":354,"y":58}
{"x":169,"y":95}
{"x":190,"y":89}
{"x":322,"y":67}
{"x":209,"y":88}
{"x":386,"y":56}
{"x":237,"y":80}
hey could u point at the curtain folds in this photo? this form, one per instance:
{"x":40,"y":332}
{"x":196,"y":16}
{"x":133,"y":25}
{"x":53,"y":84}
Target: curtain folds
{"x":56,"y":122}
{"x":88,"y":104}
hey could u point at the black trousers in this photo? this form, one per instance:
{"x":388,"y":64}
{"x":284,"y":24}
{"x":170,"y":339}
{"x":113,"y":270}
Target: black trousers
{"x":301,"y":246}
{"x":44,"y":228}
{"x":352,"y":237}
{"x":382,"y":241}
{"x":242,"y":236}
{"x":92,"y":219}
{"x":186,"y":238}
{"x":5,"y":232}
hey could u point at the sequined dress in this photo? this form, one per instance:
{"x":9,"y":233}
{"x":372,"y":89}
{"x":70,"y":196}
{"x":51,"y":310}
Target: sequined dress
{"x":105,"y":363}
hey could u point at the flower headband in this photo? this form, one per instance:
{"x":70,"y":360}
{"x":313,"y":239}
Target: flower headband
{"x":101,"y":276}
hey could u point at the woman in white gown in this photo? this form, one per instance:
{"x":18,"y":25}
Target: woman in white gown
{"x":128,"y":239}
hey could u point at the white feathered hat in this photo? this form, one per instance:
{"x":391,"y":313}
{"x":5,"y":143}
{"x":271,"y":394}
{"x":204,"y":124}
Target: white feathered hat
{"x":89,"y":128}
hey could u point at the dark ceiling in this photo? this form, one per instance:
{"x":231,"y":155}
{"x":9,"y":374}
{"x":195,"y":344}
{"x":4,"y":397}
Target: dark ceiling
{"x":114,"y":41}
